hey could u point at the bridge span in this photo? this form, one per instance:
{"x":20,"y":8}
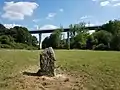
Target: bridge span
{"x":64,"y":30}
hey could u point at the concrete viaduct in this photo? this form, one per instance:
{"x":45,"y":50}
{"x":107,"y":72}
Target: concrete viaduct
{"x":64,"y":30}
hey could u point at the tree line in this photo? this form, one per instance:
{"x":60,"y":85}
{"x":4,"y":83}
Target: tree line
{"x":105,"y":38}
{"x":17,"y":38}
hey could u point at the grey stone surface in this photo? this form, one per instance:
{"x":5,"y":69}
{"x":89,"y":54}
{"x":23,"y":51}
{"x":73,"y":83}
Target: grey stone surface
{"x":47,"y":62}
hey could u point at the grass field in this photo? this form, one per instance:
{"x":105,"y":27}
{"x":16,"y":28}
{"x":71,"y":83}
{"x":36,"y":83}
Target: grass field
{"x":101,"y":68}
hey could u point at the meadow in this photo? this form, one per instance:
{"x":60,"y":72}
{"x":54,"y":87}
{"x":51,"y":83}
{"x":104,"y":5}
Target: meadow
{"x":101,"y":68}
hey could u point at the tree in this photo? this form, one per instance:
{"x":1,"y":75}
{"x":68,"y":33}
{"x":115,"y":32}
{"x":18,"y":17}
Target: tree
{"x":103,"y":37}
{"x":4,"y":39}
{"x":115,"y":44}
{"x":46,"y":43}
{"x":90,"y":42}
{"x":34,"y":41}
{"x":112,"y":27}
{"x":21,"y":35}
{"x":54,"y":40}
{"x":77,"y":28}
{"x":2,"y":29}
{"x":78,"y":35}
{"x":17,"y":36}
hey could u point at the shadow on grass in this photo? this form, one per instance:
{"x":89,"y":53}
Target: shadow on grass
{"x":39,"y":73}
{"x":32,"y":74}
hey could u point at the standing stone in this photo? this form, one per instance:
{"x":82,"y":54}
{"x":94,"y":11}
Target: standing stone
{"x":47,"y":66}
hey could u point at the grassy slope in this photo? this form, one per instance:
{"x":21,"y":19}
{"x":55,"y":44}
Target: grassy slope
{"x":103,"y":68}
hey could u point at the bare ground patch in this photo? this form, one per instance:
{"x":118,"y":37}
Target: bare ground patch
{"x":63,"y":81}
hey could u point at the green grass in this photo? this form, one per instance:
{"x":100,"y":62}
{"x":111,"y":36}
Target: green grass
{"x":102,"y":67}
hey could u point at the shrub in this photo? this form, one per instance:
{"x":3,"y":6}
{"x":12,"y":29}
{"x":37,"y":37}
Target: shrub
{"x":101,"y":47}
{"x":5,"y":46}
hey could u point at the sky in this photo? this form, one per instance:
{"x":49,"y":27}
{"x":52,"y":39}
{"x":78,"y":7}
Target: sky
{"x":51,"y":14}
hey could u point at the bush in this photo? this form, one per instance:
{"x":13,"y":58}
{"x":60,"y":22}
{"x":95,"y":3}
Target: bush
{"x":4,"y":39}
{"x":115,"y":44}
{"x":101,"y":47}
{"x":22,"y":46}
{"x":5,"y":46}
{"x":31,"y":48}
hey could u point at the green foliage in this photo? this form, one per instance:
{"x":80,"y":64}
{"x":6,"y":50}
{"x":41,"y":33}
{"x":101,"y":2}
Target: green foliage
{"x":100,"y":47}
{"x":106,"y":38}
{"x":90,"y":42}
{"x":2,"y":29}
{"x":4,"y":39}
{"x":54,"y":40}
{"x":21,"y":35}
{"x":45,"y":42}
{"x":115,"y":44}
{"x":17,"y":37}
{"x":103,"y":38}
{"x":77,"y":28}
{"x":34,"y":41}
{"x":112,"y":27}
{"x":80,"y":41}
{"x":5,"y":46}
{"x":22,"y":46}
{"x":78,"y":34}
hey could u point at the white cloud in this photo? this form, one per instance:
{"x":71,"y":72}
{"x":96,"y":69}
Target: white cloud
{"x":45,"y":27}
{"x":48,"y":27}
{"x":96,"y":23}
{"x":85,"y":17}
{"x":18,"y":10}
{"x":51,"y":15}
{"x":117,"y":4}
{"x":112,"y":3}
{"x":61,"y":10}
{"x":95,"y":0}
{"x":11,"y":25}
{"x":104,"y":3}
{"x":115,"y":0}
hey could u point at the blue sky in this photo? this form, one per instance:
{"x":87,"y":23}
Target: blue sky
{"x":47,"y":14}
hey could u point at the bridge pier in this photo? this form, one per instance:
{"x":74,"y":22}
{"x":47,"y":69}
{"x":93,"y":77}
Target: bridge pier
{"x":40,"y":43}
{"x":68,"y":40}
